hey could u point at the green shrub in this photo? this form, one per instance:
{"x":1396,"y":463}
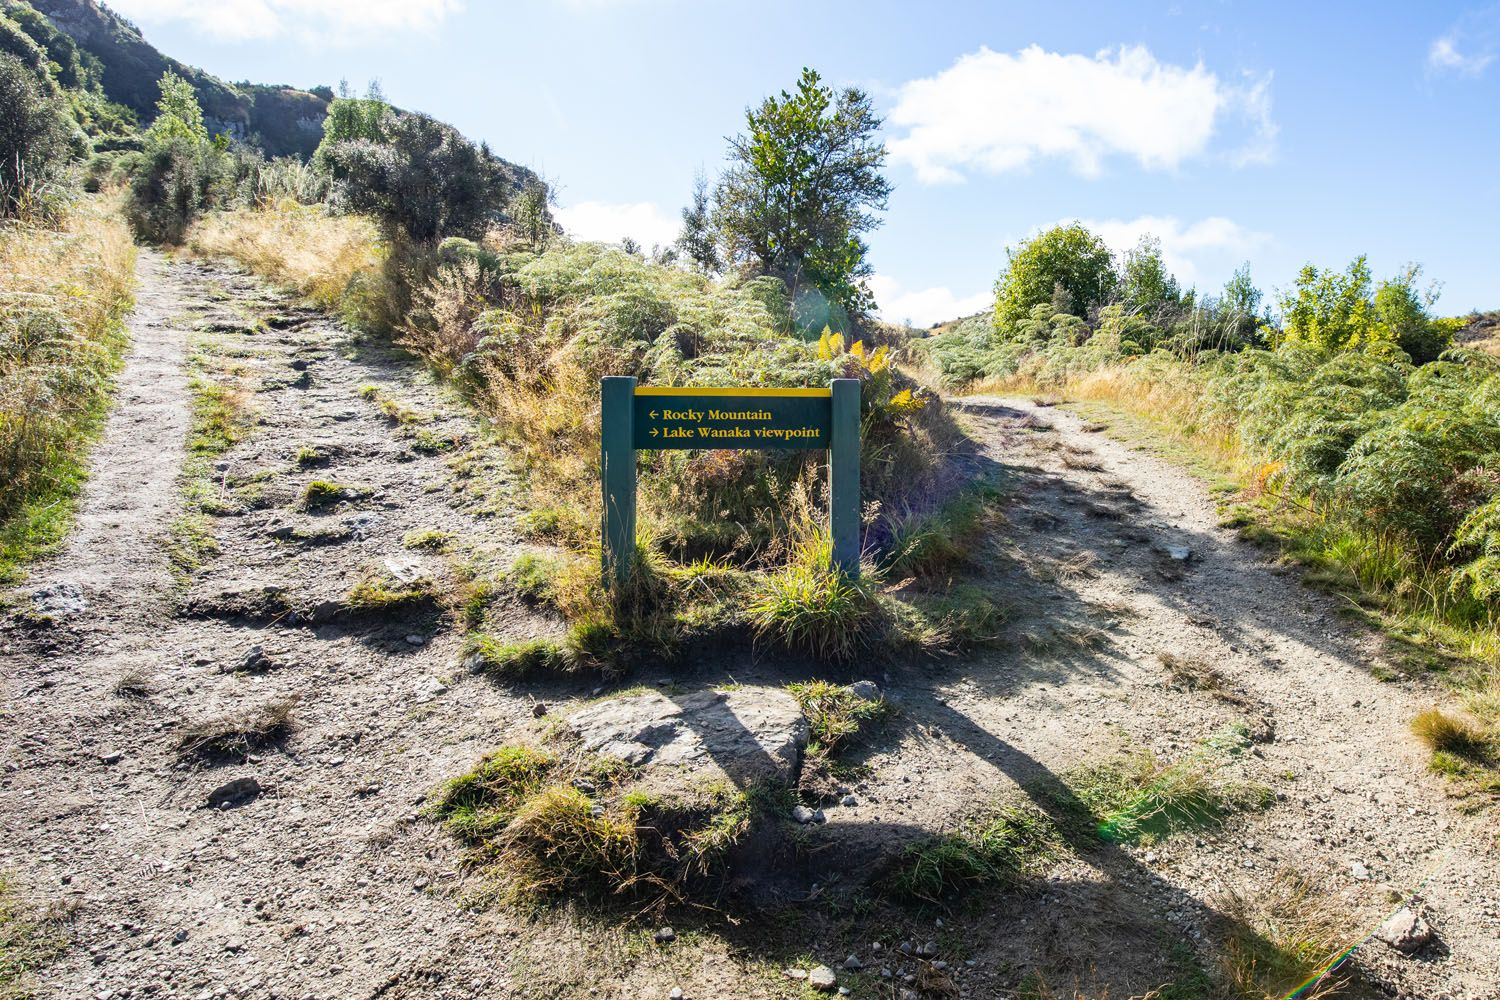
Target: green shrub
{"x":35,"y":133}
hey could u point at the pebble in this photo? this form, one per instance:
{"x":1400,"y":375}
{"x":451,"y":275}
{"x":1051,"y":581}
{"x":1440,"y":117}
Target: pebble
{"x":665,"y":935}
{"x":416,"y":640}
{"x":823,"y":978}
{"x":849,"y":800}
{"x":676,"y":993}
{"x":1359,"y":871}
{"x":113,"y":757}
{"x":852,"y":963}
{"x":804,"y":815}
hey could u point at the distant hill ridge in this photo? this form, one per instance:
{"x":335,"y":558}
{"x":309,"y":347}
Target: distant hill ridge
{"x":281,"y":120}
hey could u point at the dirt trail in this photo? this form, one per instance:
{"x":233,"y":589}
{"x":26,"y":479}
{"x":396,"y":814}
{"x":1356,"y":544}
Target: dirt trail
{"x":328,"y":883}
{"x":315,"y":888}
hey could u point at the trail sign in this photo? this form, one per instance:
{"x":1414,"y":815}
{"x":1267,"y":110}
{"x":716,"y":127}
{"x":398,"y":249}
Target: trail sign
{"x":732,"y":418}
{"x":653,"y":418}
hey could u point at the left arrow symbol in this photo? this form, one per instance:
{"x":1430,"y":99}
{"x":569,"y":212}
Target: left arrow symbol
{"x":653,"y":414}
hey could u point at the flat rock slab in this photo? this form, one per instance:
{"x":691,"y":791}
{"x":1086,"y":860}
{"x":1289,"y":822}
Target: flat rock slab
{"x":747,"y":735}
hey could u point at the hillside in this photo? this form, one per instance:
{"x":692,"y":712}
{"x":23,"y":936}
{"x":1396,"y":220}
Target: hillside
{"x":282,"y":120}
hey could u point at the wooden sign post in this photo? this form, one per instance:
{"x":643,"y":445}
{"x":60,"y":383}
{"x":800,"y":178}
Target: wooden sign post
{"x":652,"y":418}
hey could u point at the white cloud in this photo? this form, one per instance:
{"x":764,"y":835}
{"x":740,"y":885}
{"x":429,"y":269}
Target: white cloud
{"x":923,"y":307}
{"x":994,"y":111}
{"x":311,"y":20}
{"x":1207,"y":250}
{"x":643,"y":221}
{"x":1445,"y":56}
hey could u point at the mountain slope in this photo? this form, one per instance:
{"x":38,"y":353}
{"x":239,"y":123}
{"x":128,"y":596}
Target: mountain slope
{"x":281,"y":120}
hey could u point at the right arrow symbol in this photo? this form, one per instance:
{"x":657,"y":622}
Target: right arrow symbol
{"x":654,"y":432}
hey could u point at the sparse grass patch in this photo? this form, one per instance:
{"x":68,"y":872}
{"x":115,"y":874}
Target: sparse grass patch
{"x":542,"y":826}
{"x":1136,"y":798}
{"x":236,"y":736}
{"x":1000,"y":848}
{"x":321,"y":494}
{"x":516,"y":660}
{"x":133,"y":684}
{"x":835,"y":714}
{"x":1195,"y":674}
{"x":429,"y":539}
{"x":382,"y":592}
{"x":190,"y":543}
{"x":30,"y":937}
{"x":1282,"y":939}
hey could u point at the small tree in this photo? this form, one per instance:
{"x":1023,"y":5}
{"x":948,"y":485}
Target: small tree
{"x":1331,"y":310}
{"x":183,"y":171}
{"x":1066,"y":265}
{"x":34,"y":133}
{"x":1146,"y":285}
{"x":178,"y":116}
{"x":697,"y":241}
{"x":1403,"y":315}
{"x":352,"y":118}
{"x":804,"y":186}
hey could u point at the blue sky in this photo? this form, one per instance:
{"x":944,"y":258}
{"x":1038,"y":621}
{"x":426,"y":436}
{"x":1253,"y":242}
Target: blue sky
{"x":1280,"y":134}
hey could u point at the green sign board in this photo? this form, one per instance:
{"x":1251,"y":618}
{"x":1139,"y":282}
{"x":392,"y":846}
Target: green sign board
{"x":732,"y":418}
{"x":653,"y":418}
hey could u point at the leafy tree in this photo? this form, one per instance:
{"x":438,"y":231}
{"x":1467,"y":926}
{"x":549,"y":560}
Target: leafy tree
{"x":696,"y":240}
{"x":1402,"y":315}
{"x":1332,"y":310}
{"x":804,"y":186}
{"x":352,"y":118}
{"x":34,"y":134}
{"x":1145,"y":283}
{"x":1067,"y":266}
{"x":182,"y":171}
{"x":178,"y":115}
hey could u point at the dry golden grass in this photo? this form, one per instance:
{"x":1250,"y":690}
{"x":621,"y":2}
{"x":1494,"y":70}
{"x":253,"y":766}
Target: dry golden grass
{"x":63,"y":295}
{"x":1288,"y":934}
{"x":1448,"y":733}
{"x":298,"y":246}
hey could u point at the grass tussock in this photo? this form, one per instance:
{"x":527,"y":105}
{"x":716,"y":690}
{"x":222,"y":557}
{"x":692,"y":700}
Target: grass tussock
{"x":835,"y":714}
{"x":1287,"y":936}
{"x":30,"y":937}
{"x":320,"y":494}
{"x":235,"y":737}
{"x":1138,"y":798}
{"x":1447,"y":733}
{"x":947,"y":540}
{"x":544,"y":825}
{"x":809,"y":606}
{"x":1004,"y":847}
{"x":64,"y":293}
